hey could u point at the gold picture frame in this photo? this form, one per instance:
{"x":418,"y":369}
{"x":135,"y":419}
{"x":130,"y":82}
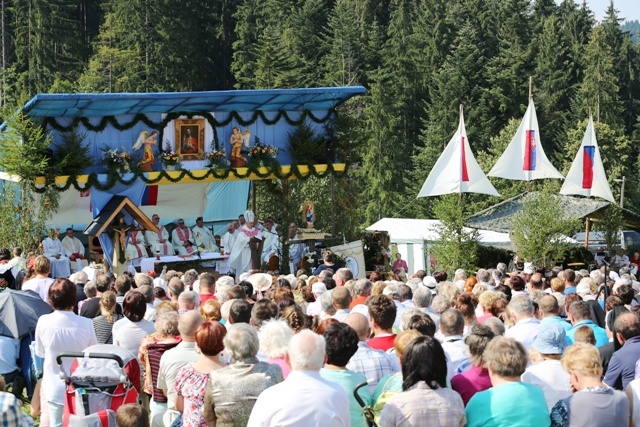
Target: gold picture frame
{"x":189,"y":140}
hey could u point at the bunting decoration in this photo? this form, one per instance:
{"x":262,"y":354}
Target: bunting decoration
{"x":587,"y":176}
{"x":457,"y":170}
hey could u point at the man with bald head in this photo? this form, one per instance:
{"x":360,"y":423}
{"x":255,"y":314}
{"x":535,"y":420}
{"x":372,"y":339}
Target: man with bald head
{"x":174,"y":359}
{"x":550,"y":311}
{"x":622,"y":368}
{"x":342,"y":276}
{"x":341,"y":300}
{"x":325,"y":402}
{"x":373,"y":364}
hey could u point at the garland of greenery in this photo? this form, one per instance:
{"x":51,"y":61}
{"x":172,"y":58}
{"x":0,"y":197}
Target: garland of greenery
{"x":140,"y":117}
{"x":218,"y":173}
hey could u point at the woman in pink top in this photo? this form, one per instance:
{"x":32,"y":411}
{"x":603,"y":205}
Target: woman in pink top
{"x":274,"y":340}
{"x":399,"y":263}
{"x":476,"y":378}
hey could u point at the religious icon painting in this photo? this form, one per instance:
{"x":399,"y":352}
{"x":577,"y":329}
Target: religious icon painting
{"x":189,"y":140}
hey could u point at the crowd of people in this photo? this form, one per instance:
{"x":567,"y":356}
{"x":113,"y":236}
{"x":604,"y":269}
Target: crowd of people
{"x":492,"y":348}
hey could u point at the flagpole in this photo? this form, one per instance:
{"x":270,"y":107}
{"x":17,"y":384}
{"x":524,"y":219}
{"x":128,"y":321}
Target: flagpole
{"x":530,"y":97}
{"x":460,"y":188}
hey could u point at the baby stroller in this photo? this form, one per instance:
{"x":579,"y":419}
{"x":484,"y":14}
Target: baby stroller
{"x":100,"y":380}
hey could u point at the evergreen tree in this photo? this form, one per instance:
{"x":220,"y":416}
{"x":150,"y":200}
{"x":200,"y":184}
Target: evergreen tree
{"x":305,"y":45}
{"x":353,"y":45}
{"x":598,"y":92}
{"x":48,"y":43}
{"x":508,"y":71}
{"x":384,"y":156}
{"x":625,"y":66}
{"x":459,"y":81}
{"x":552,"y":84}
{"x":457,"y":246}
{"x":577,"y":23}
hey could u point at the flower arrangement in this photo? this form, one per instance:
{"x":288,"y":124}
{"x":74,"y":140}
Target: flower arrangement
{"x":262,"y":153}
{"x":168,"y":157}
{"x":116,"y":159}
{"x":216,"y":158}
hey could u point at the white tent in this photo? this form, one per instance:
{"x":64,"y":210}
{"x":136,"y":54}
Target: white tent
{"x":412,"y":237}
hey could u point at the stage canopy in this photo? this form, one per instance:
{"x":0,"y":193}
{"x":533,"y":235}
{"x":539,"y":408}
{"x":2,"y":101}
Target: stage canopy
{"x":114,"y":121}
{"x":116,"y":104}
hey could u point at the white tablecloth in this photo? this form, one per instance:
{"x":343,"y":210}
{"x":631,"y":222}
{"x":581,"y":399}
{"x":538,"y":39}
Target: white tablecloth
{"x":148,"y":264}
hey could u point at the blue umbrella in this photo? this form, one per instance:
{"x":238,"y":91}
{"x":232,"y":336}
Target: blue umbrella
{"x":20,"y":311}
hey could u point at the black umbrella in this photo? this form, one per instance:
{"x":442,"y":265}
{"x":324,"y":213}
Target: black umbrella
{"x":19,"y":312}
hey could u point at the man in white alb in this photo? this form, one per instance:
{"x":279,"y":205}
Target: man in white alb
{"x":240,"y":257}
{"x":204,"y":237}
{"x":226,"y":243}
{"x":74,"y":249}
{"x":136,"y":245}
{"x":158,"y":241}
{"x":182,"y":239}
{"x":52,"y":248}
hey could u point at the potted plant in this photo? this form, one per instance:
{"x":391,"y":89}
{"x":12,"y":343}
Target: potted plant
{"x":217,"y":159}
{"x":116,"y":160}
{"x":262,"y":154}
{"x":170,"y":159}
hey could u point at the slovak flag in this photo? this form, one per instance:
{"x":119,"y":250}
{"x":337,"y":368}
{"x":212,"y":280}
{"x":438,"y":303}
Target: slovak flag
{"x":586,"y":176}
{"x":457,"y":170}
{"x":524,"y":158}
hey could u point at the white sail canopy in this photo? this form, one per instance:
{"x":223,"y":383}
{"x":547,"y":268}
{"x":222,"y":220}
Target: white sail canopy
{"x":586,"y":176}
{"x":457,"y":170}
{"x":524,"y":158}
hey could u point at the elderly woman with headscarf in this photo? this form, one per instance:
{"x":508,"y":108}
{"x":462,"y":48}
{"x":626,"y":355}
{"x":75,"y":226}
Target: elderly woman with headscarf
{"x":232,"y":391}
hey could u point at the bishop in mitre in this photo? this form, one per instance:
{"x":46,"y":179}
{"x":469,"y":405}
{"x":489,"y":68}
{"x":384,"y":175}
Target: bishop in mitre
{"x":247,"y":240}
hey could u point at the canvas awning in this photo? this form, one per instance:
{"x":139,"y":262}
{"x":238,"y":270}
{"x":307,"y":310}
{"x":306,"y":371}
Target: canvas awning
{"x":498,"y":217}
{"x":114,"y":104}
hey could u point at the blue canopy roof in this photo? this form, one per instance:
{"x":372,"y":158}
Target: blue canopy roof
{"x":114,"y":104}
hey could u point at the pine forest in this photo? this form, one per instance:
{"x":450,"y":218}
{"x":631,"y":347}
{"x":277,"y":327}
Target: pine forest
{"x":418,"y":59}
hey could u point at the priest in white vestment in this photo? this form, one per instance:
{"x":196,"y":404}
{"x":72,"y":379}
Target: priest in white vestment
{"x":136,"y":245}
{"x":240,"y":257}
{"x":159,"y":240}
{"x":52,"y":248}
{"x":204,"y":238}
{"x":182,"y":239}
{"x":74,"y":249}
{"x":226,"y":243}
